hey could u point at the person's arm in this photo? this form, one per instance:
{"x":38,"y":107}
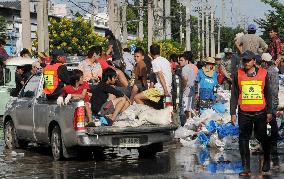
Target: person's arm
{"x":143,"y":72}
{"x":234,"y":95}
{"x":238,"y":44}
{"x":63,"y":74}
{"x":278,"y":52}
{"x":226,"y":72}
{"x":112,"y":90}
{"x":268,"y":95}
{"x":262,"y":45}
{"x":163,"y":82}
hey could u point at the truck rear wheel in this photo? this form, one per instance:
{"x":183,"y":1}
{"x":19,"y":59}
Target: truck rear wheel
{"x":150,"y":151}
{"x":56,"y":144}
{"x":10,"y":136}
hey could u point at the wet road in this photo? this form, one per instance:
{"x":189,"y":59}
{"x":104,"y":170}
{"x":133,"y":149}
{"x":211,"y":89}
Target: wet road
{"x":174,"y":162}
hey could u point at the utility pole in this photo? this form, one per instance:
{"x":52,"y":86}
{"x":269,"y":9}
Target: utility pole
{"x":124,"y":25}
{"x":42,"y":26}
{"x":212,"y":29}
{"x":111,"y":15}
{"x":141,"y":14}
{"x":94,"y":7}
{"x":188,"y":28}
{"x":202,"y":30}
{"x":223,"y":13}
{"x":168,"y":28}
{"x":159,"y":18}
{"x":180,"y":27}
{"x":114,"y":18}
{"x":26,"y":24}
{"x":150,"y":22}
{"x":207,"y":30}
{"x":198,"y":32}
{"x":219,"y":31}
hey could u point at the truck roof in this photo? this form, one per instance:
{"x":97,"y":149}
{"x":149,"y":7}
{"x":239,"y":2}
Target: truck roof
{"x":19,"y":61}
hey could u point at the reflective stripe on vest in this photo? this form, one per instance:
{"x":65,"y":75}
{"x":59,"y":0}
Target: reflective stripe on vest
{"x":51,"y":79}
{"x":251,"y":91}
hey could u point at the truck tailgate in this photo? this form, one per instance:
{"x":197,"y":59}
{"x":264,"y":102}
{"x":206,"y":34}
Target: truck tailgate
{"x":109,"y":130}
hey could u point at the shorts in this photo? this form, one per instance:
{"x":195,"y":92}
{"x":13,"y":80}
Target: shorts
{"x":188,"y":104}
{"x":153,"y":94}
{"x":107,"y":108}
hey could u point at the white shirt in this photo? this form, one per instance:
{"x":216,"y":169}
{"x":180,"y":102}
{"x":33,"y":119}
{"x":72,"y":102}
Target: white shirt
{"x":129,"y":61}
{"x":160,"y":64}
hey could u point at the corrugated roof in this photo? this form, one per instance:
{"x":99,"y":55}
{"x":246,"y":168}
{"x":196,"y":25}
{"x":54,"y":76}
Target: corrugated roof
{"x":11,"y":4}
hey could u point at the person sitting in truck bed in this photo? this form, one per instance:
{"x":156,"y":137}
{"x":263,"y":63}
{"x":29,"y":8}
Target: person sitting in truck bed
{"x":76,"y":90}
{"x":106,"y":100}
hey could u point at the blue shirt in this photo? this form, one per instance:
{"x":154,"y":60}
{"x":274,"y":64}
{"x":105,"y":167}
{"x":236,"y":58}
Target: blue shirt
{"x":206,"y":85}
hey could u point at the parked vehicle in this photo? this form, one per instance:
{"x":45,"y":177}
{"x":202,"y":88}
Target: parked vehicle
{"x":32,"y":118}
{"x":9,"y":79}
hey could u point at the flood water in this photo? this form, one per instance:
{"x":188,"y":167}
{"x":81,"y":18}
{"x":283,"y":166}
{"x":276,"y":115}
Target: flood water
{"x":174,"y":162}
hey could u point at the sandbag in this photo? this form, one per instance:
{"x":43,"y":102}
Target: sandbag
{"x":159,"y":117}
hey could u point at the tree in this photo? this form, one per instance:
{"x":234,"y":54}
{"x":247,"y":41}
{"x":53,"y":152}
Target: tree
{"x":273,"y":18}
{"x":73,"y":36}
{"x":3,"y":27}
{"x":227,"y":35}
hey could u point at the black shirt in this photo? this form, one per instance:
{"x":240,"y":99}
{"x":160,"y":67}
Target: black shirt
{"x":235,"y":94}
{"x":100,"y":95}
{"x":116,"y":49}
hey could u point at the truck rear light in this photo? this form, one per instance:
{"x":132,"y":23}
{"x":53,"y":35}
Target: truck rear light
{"x":79,"y":119}
{"x":168,"y":101}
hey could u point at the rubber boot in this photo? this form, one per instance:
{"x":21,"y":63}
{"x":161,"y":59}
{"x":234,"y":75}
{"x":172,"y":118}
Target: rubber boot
{"x":266,"y":162}
{"x":245,"y":155}
{"x":274,"y":155}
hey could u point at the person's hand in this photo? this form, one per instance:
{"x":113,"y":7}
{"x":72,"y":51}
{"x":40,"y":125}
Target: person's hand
{"x":67,"y":99}
{"x":277,"y":62}
{"x":166,"y":93}
{"x":269,"y":117}
{"x":60,"y":101}
{"x":234,"y":120}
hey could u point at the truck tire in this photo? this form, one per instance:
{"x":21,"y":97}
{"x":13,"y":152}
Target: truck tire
{"x":10,"y":136}
{"x":56,"y":144}
{"x":150,"y":151}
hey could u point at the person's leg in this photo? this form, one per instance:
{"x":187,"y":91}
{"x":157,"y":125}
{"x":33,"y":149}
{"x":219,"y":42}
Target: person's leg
{"x":121,"y":77}
{"x":140,"y":98}
{"x":134,"y":92}
{"x":88,"y":110}
{"x":118,"y":106}
{"x":245,"y":129}
{"x":274,"y":139}
{"x":126,"y":105}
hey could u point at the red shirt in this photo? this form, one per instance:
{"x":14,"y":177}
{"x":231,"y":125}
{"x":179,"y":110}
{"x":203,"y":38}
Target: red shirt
{"x":275,"y":48}
{"x":104,"y":64}
{"x":68,"y":89}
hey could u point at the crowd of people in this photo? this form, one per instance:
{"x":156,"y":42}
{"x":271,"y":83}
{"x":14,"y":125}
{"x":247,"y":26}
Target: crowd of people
{"x":109,"y":82}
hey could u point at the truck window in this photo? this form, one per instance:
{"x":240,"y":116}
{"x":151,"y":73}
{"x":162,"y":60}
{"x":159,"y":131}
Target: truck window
{"x":7,"y":75}
{"x":30,"y":88}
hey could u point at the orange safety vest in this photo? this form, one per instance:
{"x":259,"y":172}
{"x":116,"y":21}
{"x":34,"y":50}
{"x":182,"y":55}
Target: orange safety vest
{"x":51,"y":79}
{"x":251,"y":91}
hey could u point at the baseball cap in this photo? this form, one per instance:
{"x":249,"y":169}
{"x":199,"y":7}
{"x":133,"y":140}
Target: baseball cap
{"x":251,"y":27}
{"x":228,"y":50}
{"x":258,"y":59}
{"x":248,"y":55}
{"x":36,"y":64}
{"x":266,"y":57}
{"x":218,"y":56}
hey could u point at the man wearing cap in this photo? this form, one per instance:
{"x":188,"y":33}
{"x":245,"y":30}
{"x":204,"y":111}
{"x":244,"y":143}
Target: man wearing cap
{"x":251,"y":94}
{"x":275,"y":46}
{"x":218,"y":69}
{"x":55,"y":75}
{"x":272,"y":73}
{"x":35,"y":67}
{"x":207,"y":82}
{"x":251,"y":42}
{"x":226,"y":68}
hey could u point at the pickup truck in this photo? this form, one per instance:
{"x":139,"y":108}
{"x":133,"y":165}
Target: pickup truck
{"x":31,"y":118}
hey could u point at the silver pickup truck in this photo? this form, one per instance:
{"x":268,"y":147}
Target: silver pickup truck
{"x":31,"y":118}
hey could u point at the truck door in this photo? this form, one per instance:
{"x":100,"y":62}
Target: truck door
{"x":25,"y":109}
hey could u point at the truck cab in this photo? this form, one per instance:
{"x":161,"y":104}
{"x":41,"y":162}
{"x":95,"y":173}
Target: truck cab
{"x":9,"y":79}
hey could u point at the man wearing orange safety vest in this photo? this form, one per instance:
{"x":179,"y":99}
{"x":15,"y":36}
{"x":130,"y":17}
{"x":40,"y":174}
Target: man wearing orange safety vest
{"x":251,"y":94}
{"x":55,"y":75}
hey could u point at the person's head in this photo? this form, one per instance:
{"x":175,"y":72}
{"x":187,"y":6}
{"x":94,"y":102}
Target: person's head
{"x":35,"y":67}
{"x":20,"y":70}
{"x":94,"y":53}
{"x":218,"y":59}
{"x":127,"y":50}
{"x":25,"y":53}
{"x":109,"y":34}
{"x":155,"y":50}
{"x":2,"y":42}
{"x":266,"y":60}
{"x":182,"y":60}
{"x":248,"y":60}
{"x":251,"y":29}
{"x":58,"y":56}
{"x":139,"y":54}
{"x":76,"y":77}
{"x":209,"y":63}
{"x":109,"y":76}
{"x":188,"y":56}
{"x":174,"y":58}
{"x":228,"y":53}
{"x":273,"y":32}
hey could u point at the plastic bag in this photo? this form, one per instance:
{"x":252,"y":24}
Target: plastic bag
{"x":211,"y":126}
{"x":202,"y":139}
{"x":227,"y":130}
{"x":183,"y":132}
{"x":219,"y":107}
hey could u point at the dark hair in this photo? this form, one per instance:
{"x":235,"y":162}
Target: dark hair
{"x":94,"y":49}
{"x":188,"y":56}
{"x":183,"y":56}
{"x":274,"y":29}
{"x":75,"y":76}
{"x":24,"y":51}
{"x":155,"y":49}
{"x":108,"y":73}
{"x":109,"y":33}
{"x":251,"y":31}
{"x":126,"y":50}
{"x":174,"y":57}
{"x":139,"y":50}
{"x":2,"y":42}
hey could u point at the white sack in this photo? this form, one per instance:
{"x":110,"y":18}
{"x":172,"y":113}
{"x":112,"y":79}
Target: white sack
{"x":160,"y":117}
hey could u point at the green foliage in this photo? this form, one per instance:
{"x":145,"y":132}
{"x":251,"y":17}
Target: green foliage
{"x":73,"y":36}
{"x":3,"y":27}
{"x":273,"y":18}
